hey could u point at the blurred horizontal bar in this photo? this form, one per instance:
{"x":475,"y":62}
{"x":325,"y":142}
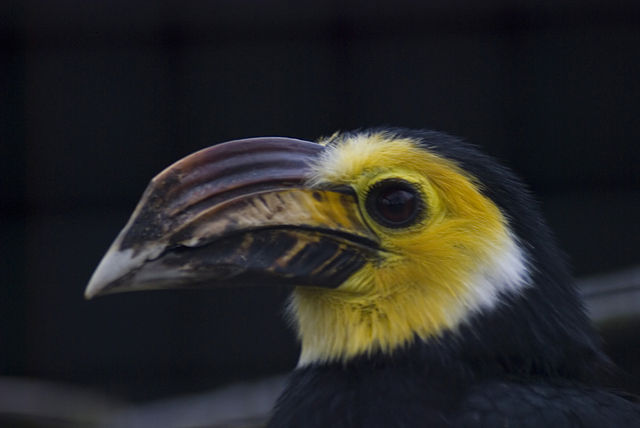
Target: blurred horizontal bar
{"x":612,"y":297}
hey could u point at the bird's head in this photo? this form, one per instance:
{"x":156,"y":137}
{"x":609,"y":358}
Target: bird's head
{"x":387,"y":237}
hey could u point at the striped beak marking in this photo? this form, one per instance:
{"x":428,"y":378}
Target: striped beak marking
{"x":238,"y":213}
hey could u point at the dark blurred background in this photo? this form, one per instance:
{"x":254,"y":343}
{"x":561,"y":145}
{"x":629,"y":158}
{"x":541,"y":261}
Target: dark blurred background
{"x":98,"y":97}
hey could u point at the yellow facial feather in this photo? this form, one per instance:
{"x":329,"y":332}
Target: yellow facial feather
{"x":433,"y":274}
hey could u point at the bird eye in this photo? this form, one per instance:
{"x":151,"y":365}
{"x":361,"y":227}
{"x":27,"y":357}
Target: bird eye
{"x":394,"y":203}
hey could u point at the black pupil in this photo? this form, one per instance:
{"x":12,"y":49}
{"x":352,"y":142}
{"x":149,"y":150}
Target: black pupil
{"x":396,"y":205}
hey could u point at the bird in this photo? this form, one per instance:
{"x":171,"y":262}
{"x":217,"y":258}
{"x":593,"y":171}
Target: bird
{"x":426,"y":288}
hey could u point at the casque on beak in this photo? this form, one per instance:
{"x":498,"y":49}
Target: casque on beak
{"x":238,"y":213}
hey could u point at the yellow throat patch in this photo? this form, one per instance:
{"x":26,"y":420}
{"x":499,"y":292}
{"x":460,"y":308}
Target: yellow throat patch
{"x":454,"y":261}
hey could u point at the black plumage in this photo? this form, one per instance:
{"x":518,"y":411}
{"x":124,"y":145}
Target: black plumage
{"x":416,"y":389}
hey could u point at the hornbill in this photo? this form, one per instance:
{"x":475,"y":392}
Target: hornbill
{"x":427,"y":290}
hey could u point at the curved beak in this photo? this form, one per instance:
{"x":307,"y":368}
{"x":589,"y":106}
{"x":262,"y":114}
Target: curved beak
{"x":238,"y":213}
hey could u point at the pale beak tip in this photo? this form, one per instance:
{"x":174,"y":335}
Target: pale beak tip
{"x":100,"y":279}
{"x":89,"y":293}
{"x":113,"y":266}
